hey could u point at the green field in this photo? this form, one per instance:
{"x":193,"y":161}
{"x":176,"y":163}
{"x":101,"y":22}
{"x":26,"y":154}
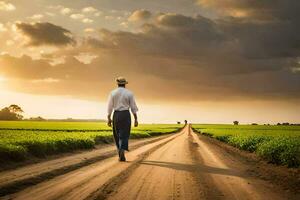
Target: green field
{"x":61,"y":126}
{"x":21,"y":139}
{"x":277,"y":144}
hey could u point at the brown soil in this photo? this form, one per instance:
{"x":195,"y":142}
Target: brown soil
{"x":181,"y":166}
{"x":17,"y":177}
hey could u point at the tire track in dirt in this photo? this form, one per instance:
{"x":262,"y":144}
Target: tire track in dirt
{"x":167,"y":173}
{"x":189,"y":168}
{"x":81,"y":183}
{"x":14,"y":180}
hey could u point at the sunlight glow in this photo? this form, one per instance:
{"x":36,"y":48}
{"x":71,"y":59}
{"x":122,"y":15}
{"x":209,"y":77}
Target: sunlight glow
{"x":2,"y":78}
{"x":239,"y":13}
{"x":62,"y":107}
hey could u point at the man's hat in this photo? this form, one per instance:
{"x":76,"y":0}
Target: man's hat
{"x":121,"y":80}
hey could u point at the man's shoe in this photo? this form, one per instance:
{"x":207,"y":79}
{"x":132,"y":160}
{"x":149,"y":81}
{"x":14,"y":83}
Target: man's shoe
{"x":122,"y":155}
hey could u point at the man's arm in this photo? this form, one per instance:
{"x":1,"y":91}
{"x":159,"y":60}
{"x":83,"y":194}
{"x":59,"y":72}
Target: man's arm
{"x":109,"y":110}
{"x":134,"y":110}
{"x":136,"y":123}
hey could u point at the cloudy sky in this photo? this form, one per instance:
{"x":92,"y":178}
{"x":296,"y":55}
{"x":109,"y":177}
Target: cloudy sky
{"x":203,"y":60}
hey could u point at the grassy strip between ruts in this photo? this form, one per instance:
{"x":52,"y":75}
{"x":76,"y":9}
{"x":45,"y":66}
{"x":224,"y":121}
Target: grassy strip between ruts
{"x":279,"y":146}
{"x":17,"y":145}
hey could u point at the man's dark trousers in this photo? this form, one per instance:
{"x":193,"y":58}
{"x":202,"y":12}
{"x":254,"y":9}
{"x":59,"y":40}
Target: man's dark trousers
{"x":121,"y":128}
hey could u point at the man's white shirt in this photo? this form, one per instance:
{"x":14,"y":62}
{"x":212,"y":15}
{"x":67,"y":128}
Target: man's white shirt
{"x":121,"y":99}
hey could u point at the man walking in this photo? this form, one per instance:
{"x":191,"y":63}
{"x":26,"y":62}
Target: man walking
{"x":120,"y":101}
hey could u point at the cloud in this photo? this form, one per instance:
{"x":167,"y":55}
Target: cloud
{"x":139,"y":15}
{"x":246,"y":46}
{"x":2,"y":28}
{"x":233,"y":8}
{"x":45,"y":34}
{"x":87,"y":20}
{"x":167,"y":37}
{"x":77,"y":16}
{"x":183,"y":58}
{"x":89,"y":30}
{"x":227,"y":55}
{"x":89,"y":10}
{"x":37,"y":17}
{"x":50,"y":14}
{"x":258,"y":10}
{"x":109,"y":17}
{"x":171,"y":80}
{"x":97,"y":14}
{"x":46,"y":80}
{"x":7,"y":6}
{"x":124,"y":24}
{"x":65,"y":11}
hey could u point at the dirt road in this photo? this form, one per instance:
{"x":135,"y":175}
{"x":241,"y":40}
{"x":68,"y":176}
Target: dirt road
{"x":19,"y":177}
{"x":181,"y":166}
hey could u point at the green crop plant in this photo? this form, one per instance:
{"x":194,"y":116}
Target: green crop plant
{"x":40,"y":139}
{"x":277,"y":144}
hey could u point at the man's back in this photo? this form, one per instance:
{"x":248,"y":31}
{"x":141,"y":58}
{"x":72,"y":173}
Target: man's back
{"x":122,"y":99}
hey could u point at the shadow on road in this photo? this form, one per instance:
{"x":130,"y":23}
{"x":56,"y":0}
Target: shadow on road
{"x":199,"y":168}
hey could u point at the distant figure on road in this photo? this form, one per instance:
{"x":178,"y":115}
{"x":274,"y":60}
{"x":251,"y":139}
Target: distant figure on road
{"x":120,"y":101}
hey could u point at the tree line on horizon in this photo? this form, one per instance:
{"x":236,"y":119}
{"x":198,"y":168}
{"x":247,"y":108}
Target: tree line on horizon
{"x":14,"y":113}
{"x":11,"y":113}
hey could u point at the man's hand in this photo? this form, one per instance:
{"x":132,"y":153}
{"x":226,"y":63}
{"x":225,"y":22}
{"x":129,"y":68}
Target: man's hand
{"x":109,"y":122}
{"x":136,"y":123}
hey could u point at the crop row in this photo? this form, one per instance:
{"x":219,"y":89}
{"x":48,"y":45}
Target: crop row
{"x":278,"y":147}
{"x":17,"y":145}
{"x":72,"y":126}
